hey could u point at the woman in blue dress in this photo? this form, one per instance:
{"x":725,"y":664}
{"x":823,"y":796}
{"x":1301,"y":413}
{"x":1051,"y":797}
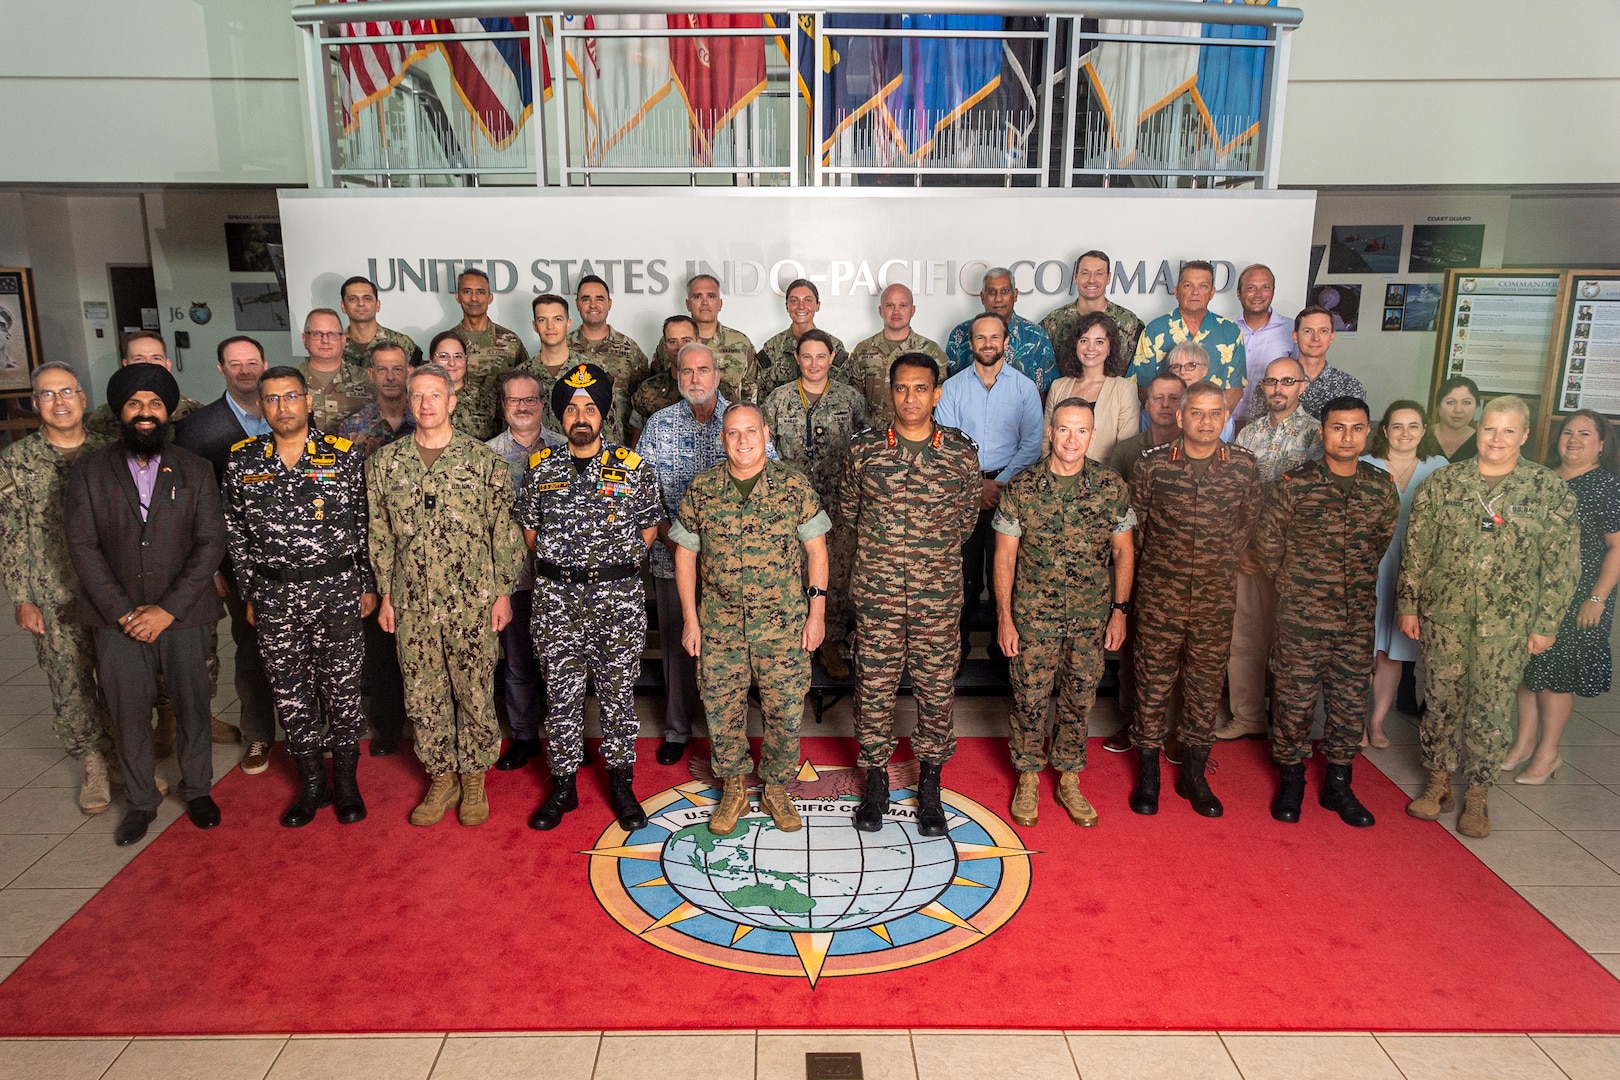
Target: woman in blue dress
{"x":1405,"y":448}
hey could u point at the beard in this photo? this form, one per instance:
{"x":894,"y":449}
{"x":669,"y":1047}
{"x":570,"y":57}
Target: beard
{"x":583,"y":435}
{"x":990,"y":361}
{"x":142,"y":444}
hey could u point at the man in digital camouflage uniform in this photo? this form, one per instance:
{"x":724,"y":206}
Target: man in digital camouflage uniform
{"x":39,"y":577}
{"x":1058,"y":527}
{"x":295,"y":524}
{"x":491,"y":347}
{"x":589,"y":515}
{"x":911,"y":496}
{"x":1490,"y":566}
{"x":812,"y":420}
{"x":741,"y":525}
{"x":1092,"y":274}
{"x":358,"y":296}
{"x":869,"y":360}
{"x":1196,"y":500}
{"x":1324,"y":530}
{"x":337,"y":389}
{"x":138,"y":347}
{"x":447,"y":556}
{"x":593,"y":341}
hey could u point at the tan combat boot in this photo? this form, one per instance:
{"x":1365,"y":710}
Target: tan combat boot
{"x":1436,"y":798}
{"x":733,"y":805}
{"x":832,"y":661}
{"x":95,"y":794}
{"x":1474,"y":820}
{"x":1081,"y":812}
{"x":474,"y":799}
{"x":443,"y":795}
{"x":1026,"y":800}
{"x":781,"y":808}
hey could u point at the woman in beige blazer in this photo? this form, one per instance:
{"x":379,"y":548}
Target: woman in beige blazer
{"x":1092,"y":367}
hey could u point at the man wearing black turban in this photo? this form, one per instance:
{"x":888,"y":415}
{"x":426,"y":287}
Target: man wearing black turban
{"x":145,"y":535}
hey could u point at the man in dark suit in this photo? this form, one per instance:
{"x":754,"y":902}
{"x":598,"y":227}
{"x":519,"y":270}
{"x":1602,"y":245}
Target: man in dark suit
{"x":145,"y":535}
{"x":210,"y":432}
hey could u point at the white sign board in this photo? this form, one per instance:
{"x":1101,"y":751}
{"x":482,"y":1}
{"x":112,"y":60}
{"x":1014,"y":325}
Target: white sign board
{"x":850,"y":242}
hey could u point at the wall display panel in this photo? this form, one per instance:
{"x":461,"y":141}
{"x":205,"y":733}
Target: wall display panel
{"x":19,"y":328}
{"x":1584,"y":368}
{"x":1495,"y":326}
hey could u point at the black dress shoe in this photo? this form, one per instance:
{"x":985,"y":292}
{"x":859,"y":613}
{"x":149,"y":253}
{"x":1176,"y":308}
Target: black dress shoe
{"x":517,"y":754}
{"x":133,"y":827}
{"x":383,"y":745}
{"x":669,"y":752}
{"x":203,"y":812}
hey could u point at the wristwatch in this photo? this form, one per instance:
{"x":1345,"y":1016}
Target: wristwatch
{"x":1122,"y":605}
{"x":811,"y":592}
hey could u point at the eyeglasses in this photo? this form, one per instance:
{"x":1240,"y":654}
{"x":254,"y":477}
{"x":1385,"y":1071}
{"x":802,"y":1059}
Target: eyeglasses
{"x":1286,"y":381}
{"x":531,"y":402}
{"x":274,"y":400}
{"x":1179,"y":368}
{"x":444,"y":356}
{"x":324,"y":335}
{"x":67,"y":393}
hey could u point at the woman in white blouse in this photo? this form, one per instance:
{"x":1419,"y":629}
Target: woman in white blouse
{"x":1091,"y":367}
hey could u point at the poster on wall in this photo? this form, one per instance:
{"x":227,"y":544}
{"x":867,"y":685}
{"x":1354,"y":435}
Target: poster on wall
{"x":259,"y":306}
{"x":1364,"y":249}
{"x":19,"y":328}
{"x":247,"y":244}
{"x":1343,"y":302}
{"x":1589,"y":345}
{"x":1497,"y":326}
{"x":1437,"y":248}
{"x":1410,"y":306}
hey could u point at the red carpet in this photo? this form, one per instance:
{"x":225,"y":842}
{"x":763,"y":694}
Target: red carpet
{"x":1141,"y":923}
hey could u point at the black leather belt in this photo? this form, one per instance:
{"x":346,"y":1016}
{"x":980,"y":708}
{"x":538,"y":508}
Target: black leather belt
{"x":991,"y":474}
{"x":294,"y":575}
{"x":585,"y":575}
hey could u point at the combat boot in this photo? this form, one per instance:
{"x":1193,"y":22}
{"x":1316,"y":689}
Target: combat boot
{"x":474,"y":799}
{"x":1193,"y":786}
{"x":733,"y":805}
{"x":1474,"y":820}
{"x":1081,"y":812}
{"x":875,"y":802}
{"x":563,"y":798}
{"x":1285,"y":805}
{"x":777,"y":803}
{"x":163,"y":733}
{"x":443,"y":796}
{"x":831,"y":661}
{"x":1026,"y":800}
{"x":1337,"y":796}
{"x":1145,"y":799}
{"x":622,"y":797}
{"x":95,"y":794}
{"x":930,"y":814}
{"x":312,"y":790}
{"x":346,"y":784}
{"x":1436,"y":798}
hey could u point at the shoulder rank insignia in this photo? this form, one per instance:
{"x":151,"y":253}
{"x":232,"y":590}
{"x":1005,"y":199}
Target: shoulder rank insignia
{"x":539,"y":455}
{"x":939,"y":436}
{"x":630,"y":458}
{"x":249,"y":441}
{"x":339,"y":443}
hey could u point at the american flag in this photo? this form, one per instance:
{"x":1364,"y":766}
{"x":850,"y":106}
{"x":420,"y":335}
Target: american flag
{"x":492,"y":78}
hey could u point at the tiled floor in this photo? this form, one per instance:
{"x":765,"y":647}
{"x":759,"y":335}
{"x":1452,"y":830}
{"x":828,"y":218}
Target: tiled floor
{"x":1558,"y":845}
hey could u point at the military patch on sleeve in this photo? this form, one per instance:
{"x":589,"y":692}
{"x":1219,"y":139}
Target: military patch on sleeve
{"x":249,"y":441}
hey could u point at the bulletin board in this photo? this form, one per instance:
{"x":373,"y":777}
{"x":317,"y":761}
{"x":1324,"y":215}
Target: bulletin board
{"x":1583,"y":368}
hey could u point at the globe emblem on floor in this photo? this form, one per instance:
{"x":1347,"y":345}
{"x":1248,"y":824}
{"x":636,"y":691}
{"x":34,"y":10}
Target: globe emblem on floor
{"x":823,"y":901}
{"x":827,"y":876}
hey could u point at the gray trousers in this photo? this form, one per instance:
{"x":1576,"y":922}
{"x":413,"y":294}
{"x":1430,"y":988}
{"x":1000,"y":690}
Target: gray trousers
{"x":128,"y":671}
{"x":258,"y":717}
{"x":681,"y":704}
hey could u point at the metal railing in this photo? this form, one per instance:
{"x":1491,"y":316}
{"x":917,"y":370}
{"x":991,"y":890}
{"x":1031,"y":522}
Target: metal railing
{"x":480,"y":93}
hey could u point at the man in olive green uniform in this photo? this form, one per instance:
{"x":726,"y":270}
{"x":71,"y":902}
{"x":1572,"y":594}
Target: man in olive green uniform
{"x":491,"y":347}
{"x":1091,"y":277}
{"x":593,"y":341}
{"x":741,"y":525}
{"x":1490,"y":566}
{"x":1324,"y":530}
{"x":812,"y":419}
{"x":447,"y":556}
{"x":911,"y":495}
{"x":733,"y":352}
{"x":1196,"y":500}
{"x":660,"y":390}
{"x":138,"y":347}
{"x":359,"y":299}
{"x":337,"y":389}
{"x":1058,"y":607}
{"x":39,"y":577}
{"x":870,"y":359}
{"x":779,"y":356}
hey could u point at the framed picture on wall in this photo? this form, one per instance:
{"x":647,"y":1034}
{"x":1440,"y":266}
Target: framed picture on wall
{"x":19,"y":328}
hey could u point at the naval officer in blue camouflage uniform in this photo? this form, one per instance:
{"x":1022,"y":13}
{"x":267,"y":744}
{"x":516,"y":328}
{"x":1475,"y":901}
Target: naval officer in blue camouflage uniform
{"x":295,"y":520}
{"x":589,"y":516}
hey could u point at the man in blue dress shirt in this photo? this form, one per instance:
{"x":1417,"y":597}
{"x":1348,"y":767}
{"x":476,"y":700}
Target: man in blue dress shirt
{"x":999,"y":408}
{"x":1028,"y":348}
